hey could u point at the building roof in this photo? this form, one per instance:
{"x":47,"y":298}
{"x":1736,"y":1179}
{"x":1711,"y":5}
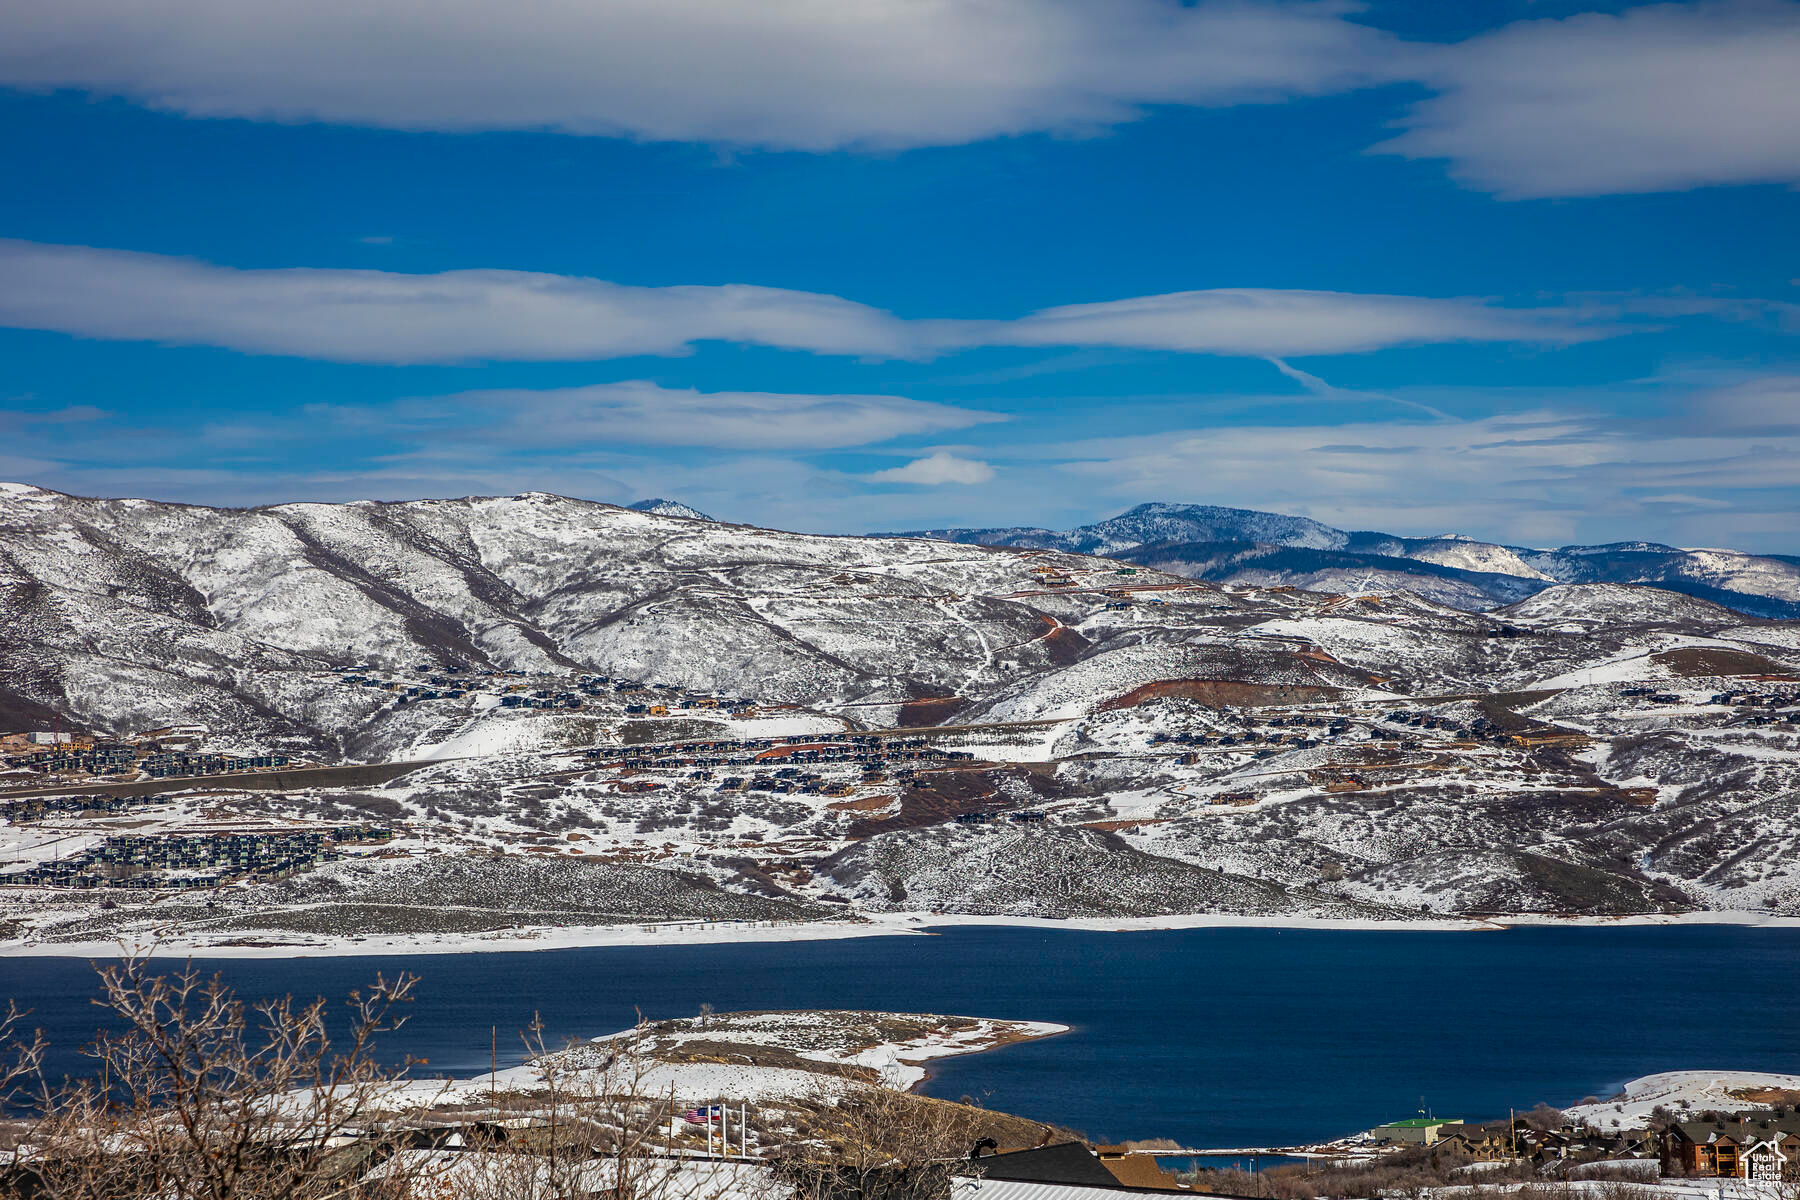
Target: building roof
{"x":1478,"y":1132}
{"x":1138,"y":1170}
{"x":1066,"y":1162}
{"x":1749,"y":1130}
{"x":1420,"y":1122}
{"x":970,"y":1188}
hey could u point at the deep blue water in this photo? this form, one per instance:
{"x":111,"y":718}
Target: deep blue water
{"x":1214,"y":1037}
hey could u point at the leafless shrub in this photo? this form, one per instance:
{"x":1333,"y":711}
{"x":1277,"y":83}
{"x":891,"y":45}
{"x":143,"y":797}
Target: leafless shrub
{"x":591,"y":1126}
{"x":1407,"y":1175}
{"x":1618,"y":1189}
{"x":202,"y":1097}
{"x":23,"y":1058}
{"x":874,"y":1142}
{"x":1544,"y":1117}
{"x":1627,"y":1170}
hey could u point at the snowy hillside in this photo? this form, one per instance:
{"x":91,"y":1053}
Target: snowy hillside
{"x":520,"y":717}
{"x":129,"y":614}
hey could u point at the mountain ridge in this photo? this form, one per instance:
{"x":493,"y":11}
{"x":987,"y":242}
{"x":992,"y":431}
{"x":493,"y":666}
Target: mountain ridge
{"x":1234,"y":545}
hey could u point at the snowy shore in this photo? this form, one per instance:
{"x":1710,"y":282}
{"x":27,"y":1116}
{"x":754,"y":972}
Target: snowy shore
{"x":1688,"y":1091}
{"x":700,"y":933}
{"x":823,"y":1049}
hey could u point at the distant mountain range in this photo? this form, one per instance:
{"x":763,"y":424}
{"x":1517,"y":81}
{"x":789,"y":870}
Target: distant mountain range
{"x":1244,"y":546}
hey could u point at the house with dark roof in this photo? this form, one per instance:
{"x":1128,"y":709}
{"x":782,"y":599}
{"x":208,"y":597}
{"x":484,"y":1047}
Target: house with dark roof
{"x":1734,"y":1146}
{"x":1065,"y":1162}
{"x":1065,"y":1171}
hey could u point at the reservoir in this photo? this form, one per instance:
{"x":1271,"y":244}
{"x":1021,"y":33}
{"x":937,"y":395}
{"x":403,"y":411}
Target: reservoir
{"x":1211,"y":1037}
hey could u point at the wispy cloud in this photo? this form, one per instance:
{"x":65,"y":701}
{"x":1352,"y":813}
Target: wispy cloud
{"x":71,"y":414}
{"x":1543,"y":477}
{"x":1552,"y":474}
{"x":368,"y":316}
{"x":788,"y":74}
{"x":935,"y":469}
{"x":1767,"y":403}
{"x":388,"y":317}
{"x":1656,"y":98}
{"x":640,"y":413}
{"x":1319,"y":387}
{"x":1266,"y":322}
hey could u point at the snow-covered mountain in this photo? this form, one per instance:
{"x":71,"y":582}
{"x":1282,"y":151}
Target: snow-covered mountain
{"x":790,"y":724}
{"x":669,"y":508}
{"x":1235,"y":545}
{"x":129,"y":613}
{"x":1148,"y":524}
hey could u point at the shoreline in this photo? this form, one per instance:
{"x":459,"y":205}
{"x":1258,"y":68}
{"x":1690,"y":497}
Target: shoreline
{"x":1040,"y":1031}
{"x":903,"y":1064}
{"x":640,"y":934}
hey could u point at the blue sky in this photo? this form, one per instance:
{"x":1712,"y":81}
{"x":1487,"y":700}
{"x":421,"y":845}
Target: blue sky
{"x":1526,"y":271}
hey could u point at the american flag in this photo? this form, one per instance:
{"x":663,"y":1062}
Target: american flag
{"x":700,"y":1116}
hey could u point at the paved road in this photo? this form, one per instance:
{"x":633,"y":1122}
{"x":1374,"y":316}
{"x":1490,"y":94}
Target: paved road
{"x":240,"y":781}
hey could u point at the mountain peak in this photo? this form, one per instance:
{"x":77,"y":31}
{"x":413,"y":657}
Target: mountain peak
{"x":669,"y":508}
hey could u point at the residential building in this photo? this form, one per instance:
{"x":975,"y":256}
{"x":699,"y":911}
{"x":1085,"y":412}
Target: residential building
{"x":1488,"y":1143}
{"x":1731,"y":1145}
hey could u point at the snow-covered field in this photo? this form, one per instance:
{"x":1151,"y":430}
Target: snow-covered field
{"x":1679,"y":1091}
{"x":1601,"y":1189}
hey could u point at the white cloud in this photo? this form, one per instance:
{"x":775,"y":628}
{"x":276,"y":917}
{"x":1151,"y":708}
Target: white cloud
{"x":1270,"y":323}
{"x":474,"y":315}
{"x":1681,"y":500}
{"x":387,"y":317}
{"x":1544,"y":477}
{"x":1656,"y":98}
{"x":941,"y":467}
{"x":1766,"y":402}
{"x":799,"y":74}
{"x":637,"y":412}
{"x":1323,"y":388}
